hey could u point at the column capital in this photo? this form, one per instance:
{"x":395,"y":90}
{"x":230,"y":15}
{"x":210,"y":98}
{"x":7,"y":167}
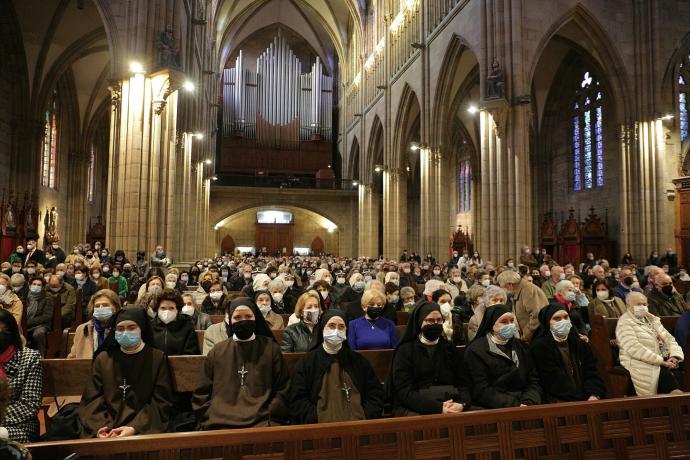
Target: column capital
{"x":498,"y":109}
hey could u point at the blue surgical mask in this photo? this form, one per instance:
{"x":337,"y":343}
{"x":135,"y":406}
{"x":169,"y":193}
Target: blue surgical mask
{"x":570,"y":296}
{"x":128,"y":339}
{"x":359,"y":286}
{"x":507,"y":331}
{"x":562,"y":328}
{"x":102,"y":313}
{"x":35,"y":289}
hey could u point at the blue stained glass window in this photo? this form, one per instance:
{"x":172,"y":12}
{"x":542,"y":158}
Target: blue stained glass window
{"x":683,"y":94}
{"x":464,"y":186}
{"x":588,"y":135}
{"x":683,"y":116}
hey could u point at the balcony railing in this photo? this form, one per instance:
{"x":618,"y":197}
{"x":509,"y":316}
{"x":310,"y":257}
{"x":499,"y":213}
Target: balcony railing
{"x":284,"y":182}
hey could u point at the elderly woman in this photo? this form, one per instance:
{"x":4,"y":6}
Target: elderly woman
{"x":475,"y":297}
{"x":372,"y":331}
{"x":566,"y":365}
{"x":298,"y":336}
{"x":9,"y":300}
{"x":581,"y":298}
{"x":566,"y":295}
{"x":605,"y":303}
{"x":264,"y":301}
{"x":201,"y":320}
{"x":647,"y":350}
{"x":427,"y":374}
{"x":501,"y":367}
{"x":89,"y":336}
{"x":281,"y":303}
{"x":329,"y":366}
{"x":408,"y":298}
{"x":355,"y":291}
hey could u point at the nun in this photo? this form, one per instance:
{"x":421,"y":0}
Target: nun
{"x":501,"y":368}
{"x":245,"y":380}
{"x":566,"y":365}
{"x":130,"y":390}
{"x":427,"y":374}
{"x":332,"y":383}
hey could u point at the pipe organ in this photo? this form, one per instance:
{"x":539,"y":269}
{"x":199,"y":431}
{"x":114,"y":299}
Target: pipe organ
{"x":277,"y":105}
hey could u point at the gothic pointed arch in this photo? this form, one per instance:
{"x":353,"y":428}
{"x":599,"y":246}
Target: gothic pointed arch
{"x":407,"y":123}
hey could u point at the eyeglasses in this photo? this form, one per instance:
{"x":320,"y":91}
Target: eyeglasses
{"x":433,"y":321}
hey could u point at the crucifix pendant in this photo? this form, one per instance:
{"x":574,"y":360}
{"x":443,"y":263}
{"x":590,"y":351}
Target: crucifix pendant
{"x":242,"y":372}
{"x":124,"y":387}
{"x":346,"y":389}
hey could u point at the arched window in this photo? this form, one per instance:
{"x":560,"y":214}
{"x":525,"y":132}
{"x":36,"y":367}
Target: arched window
{"x":49,"y":149}
{"x":588,"y":142}
{"x":464,"y":186}
{"x":684,"y":96}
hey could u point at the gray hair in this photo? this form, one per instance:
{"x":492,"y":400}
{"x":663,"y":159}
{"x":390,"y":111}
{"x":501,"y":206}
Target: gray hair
{"x":277,"y":283}
{"x":494,"y":291}
{"x":563,"y":285}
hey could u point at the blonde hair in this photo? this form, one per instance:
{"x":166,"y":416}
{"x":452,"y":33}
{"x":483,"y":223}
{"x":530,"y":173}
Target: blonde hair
{"x":371,"y":295}
{"x":303,"y":300}
{"x":108,"y":294}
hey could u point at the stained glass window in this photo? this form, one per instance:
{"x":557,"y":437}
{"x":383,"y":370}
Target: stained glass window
{"x":464,"y":186}
{"x":683,"y":96}
{"x":49,"y":148}
{"x":587,"y":135}
{"x":92,"y":174}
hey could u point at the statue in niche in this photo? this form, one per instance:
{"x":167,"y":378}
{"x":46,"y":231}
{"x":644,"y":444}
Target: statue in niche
{"x":168,"y":54}
{"x":495,"y":82}
{"x":10,"y":218}
{"x":50,"y":226}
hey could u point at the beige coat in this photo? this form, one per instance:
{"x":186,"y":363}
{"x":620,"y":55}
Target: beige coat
{"x":83,"y":346}
{"x":639,"y":350}
{"x":13,"y":304}
{"x":527,"y":303}
{"x":275,"y":321}
{"x":216,"y":333}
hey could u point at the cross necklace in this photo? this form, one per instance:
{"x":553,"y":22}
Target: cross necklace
{"x":124,"y":388}
{"x":346,"y":389}
{"x":242,"y":372}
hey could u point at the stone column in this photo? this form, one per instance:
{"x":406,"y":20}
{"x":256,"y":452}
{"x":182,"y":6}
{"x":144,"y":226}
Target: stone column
{"x":368,"y":221}
{"x":430,"y":190}
{"x":394,"y":212}
{"x":142,"y":167}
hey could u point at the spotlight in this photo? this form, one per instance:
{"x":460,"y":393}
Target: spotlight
{"x":208,"y":162}
{"x":414,"y":147}
{"x":199,"y":135}
{"x":355,"y":183}
{"x":136,"y":67}
{"x":214,"y":178}
{"x":472,"y":109}
{"x":378,"y":168}
{"x":668,"y":116}
{"x":188,"y":86}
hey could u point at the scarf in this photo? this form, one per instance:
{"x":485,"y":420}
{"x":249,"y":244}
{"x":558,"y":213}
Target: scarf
{"x":100,"y":330}
{"x":33,"y":300}
{"x":7,"y":297}
{"x":5,"y":358}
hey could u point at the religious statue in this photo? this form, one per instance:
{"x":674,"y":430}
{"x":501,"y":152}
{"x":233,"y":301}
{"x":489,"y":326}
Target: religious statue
{"x":168,"y":54}
{"x":10,"y":221}
{"x":50,"y":226}
{"x":495,"y":82}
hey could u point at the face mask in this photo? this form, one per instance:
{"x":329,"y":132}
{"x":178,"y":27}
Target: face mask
{"x":511,"y":264}
{"x":216,"y":295}
{"x":562,"y":328}
{"x":247,"y":275}
{"x":16,"y":269}
{"x":128,"y":339}
{"x":265,"y":308}
{"x":486,"y":283}
{"x":602,"y":295}
{"x":374,"y":312}
{"x":409,"y":304}
{"x":105,"y":269}
{"x":184,"y":278}
{"x":289,"y":284}
{"x":206,"y":285}
{"x":507,"y":331}
{"x":309,"y":272}
{"x":561,"y":276}
{"x":79,"y":277}
{"x":640,"y":310}
{"x":570,"y":296}
{"x":188,"y":310}
{"x":334,"y":337}
{"x":667,"y":290}
{"x":29,"y":247}
{"x":324,"y":294}
{"x":547,"y":274}
{"x":636,"y":285}
{"x":76,"y":252}
{"x":445,"y":309}
{"x":55,"y":289}
{"x":406,"y":270}
{"x":311,"y":316}
{"x":395,"y":299}
{"x":102,"y":313}
{"x":367,"y":278}
{"x":432,"y":332}
{"x":244,"y":329}
{"x":340,"y":280}
{"x":437,"y":272}
{"x":457,"y":279}
{"x":169,"y":284}
{"x":89,"y":256}
{"x":116,"y":274}
{"x":272,"y":275}
{"x":359,"y":286}
{"x":277,"y":297}
{"x":167,"y":316}
{"x":155,"y":289}
{"x":35,"y":289}
{"x":31,"y":270}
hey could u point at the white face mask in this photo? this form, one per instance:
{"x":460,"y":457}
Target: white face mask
{"x":334,"y":337}
{"x":188,"y":310}
{"x":170,"y":285}
{"x":216,"y":295}
{"x":154,"y":289}
{"x":457,"y":279}
{"x":166,"y":316}
{"x":602,"y":295}
{"x":341,"y":280}
{"x":640,"y":310}
{"x":277,"y":297}
{"x":445,"y":309}
{"x":486,"y":283}
{"x":265,"y":308}
{"x":311,"y":315}
{"x":324,"y":294}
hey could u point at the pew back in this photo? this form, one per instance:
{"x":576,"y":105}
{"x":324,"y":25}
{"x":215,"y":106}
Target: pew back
{"x":619,"y":428}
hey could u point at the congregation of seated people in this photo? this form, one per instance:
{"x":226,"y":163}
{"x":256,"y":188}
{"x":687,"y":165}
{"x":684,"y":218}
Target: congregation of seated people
{"x":478,"y":335}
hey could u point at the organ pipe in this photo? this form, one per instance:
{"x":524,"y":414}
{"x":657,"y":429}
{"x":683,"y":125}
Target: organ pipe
{"x":277,"y":105}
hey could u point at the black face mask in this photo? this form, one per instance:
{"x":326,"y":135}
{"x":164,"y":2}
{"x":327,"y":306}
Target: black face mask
{"x":374,"y":312}
{"x":432,"y":332}
{"x":628,"y":281}
{"x":667,"y":290}
{"x":206,"y":285}
{"x":5,"y":340}
{"x":244,"y":329}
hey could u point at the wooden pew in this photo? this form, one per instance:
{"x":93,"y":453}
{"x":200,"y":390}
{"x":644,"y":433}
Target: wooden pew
{"x":54,"y":339}
{"x":215,"y":319}
{"x":402,"y":317}
{"x":644,"y":428}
